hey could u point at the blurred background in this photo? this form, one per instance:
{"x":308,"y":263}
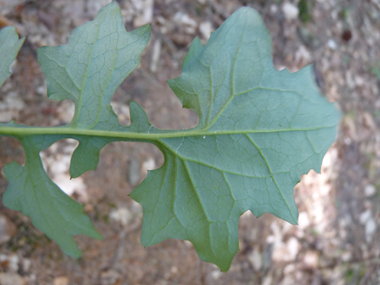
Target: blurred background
{"x":337,"y":240}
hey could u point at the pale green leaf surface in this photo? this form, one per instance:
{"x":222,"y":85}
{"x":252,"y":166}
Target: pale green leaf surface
{"x":32,"y":192}
{"x":259,"y":130}
{"x":9,"y":47}
{"x":86,"y":155}
{"x":262,"y":129}
{"x":88,"y":70}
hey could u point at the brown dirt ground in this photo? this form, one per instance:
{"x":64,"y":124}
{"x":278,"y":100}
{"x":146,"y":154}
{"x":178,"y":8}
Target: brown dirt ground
{"x":333,"y":243}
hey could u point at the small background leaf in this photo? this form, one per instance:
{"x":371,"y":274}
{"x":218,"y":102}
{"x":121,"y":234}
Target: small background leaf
{"x":9,"y":47}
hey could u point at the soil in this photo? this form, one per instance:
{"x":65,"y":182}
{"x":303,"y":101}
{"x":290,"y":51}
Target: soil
{"x":337,"y":239}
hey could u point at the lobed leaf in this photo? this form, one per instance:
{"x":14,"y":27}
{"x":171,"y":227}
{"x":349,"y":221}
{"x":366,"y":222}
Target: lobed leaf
{"x":32,"y":192}
{"x":259,"y":130}
{"x":88,"y":70}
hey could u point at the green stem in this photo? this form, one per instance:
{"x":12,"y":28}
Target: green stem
{"x":31,"y":131}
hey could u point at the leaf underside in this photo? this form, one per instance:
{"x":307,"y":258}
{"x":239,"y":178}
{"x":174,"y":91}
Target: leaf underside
{"x":259,"y":130}
{"x":9,"y":47}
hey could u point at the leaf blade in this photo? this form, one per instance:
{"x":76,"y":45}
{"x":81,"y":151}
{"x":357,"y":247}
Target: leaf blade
{"x":33,"y":193}
{"x":259,"y":130}
{"x":262,"y":130}
{"x":89,"y":69}
{"x":70,"y":73}
{"x":10,"y":45}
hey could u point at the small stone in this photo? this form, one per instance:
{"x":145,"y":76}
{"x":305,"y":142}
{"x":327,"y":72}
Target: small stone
{"x":273,"y":9}
{"x":121,"y":215}
{"x":292,"y":246}
{"x":303,"y":220}
{"x":256,"y":259}
{"x":122,"y":112}
{"x":41,"y":90}
{"x":184,"y":19}
{"x":364,"y":216}
{"x":66,"y":111}
{"x":61,"y":280}
{"x":69,"y":186}
{"x":26,"y":263}
{"x":155,"y":56}
{"x":147,"y":13}
{"x":302,"y":54}
{"x":370,"y":228}
{"x":61,"y":166}
{"x":161,"y":20}
{"x":149,"y":164}
{"x":7,"y":229}
{"x":290,"y":11}
{"x":346,"y":256}
{"x":369,"y":190}
{"x":360,"y":81}
{"x":332,"y":44}
{"x":311,"y":259}
{"x":216,"y":274}
{"x":206,"y":29}
{"x":134,"y":172}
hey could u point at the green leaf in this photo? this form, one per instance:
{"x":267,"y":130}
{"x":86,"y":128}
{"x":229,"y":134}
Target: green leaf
{"x":88,"y":70}
{"x":259,"y":130}
{"x":99,"y":56}
{"x":32,"y":192}
{"x":9,"y":47}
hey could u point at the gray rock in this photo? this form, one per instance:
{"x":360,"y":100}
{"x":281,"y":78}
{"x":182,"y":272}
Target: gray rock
{"x":369,"y":190}
{"x":134,"y":172}
{"x":370,"y":229}
{"x":290,"y":11}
